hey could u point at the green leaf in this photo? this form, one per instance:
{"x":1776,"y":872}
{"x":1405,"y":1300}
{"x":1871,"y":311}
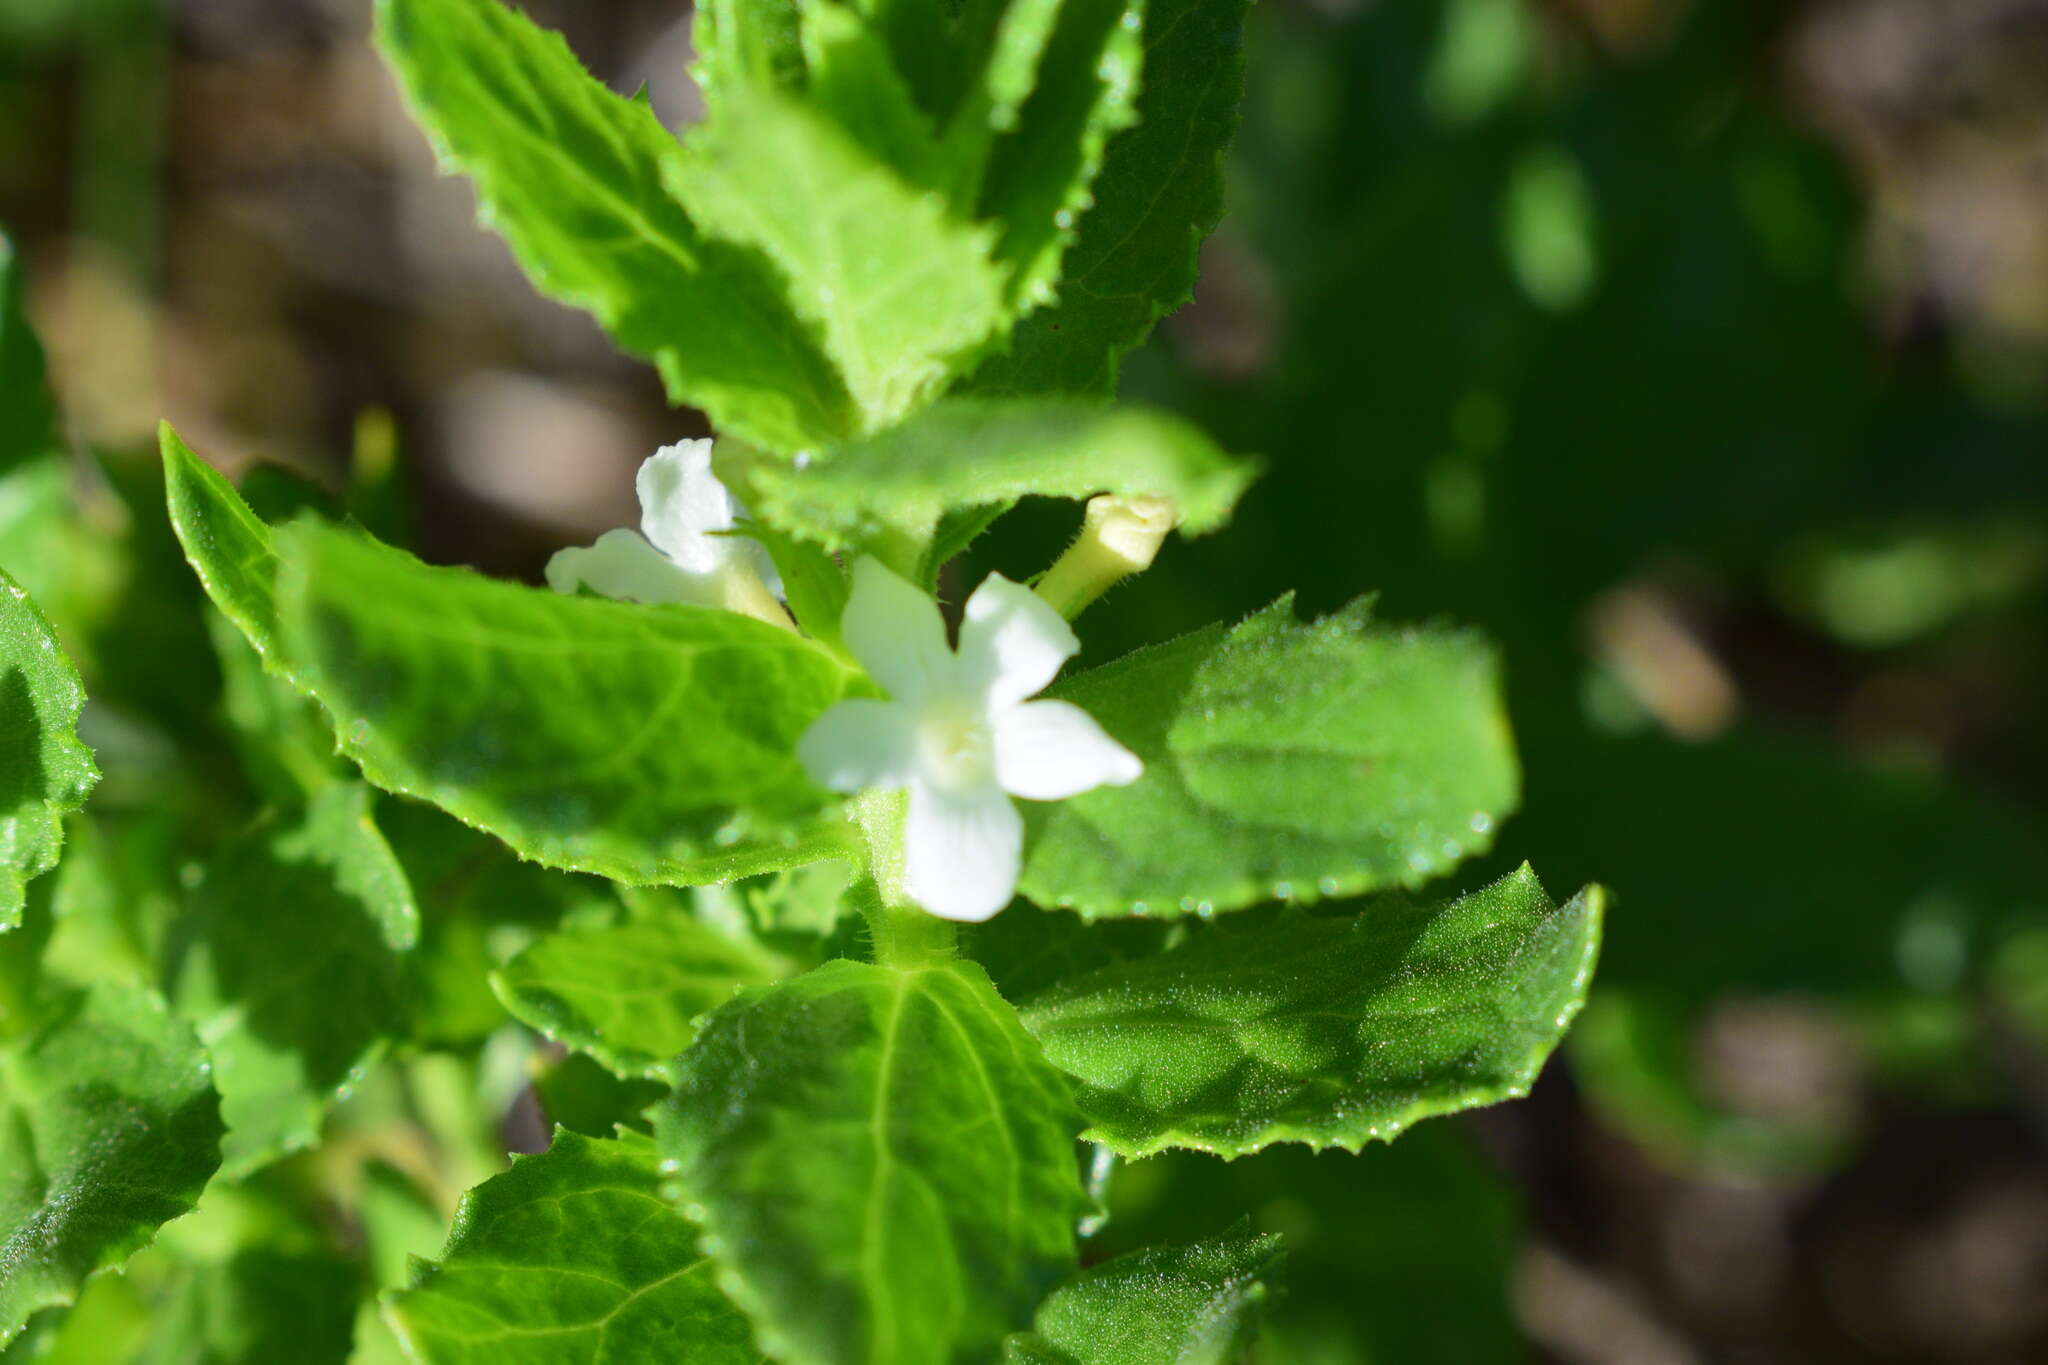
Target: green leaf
{"x":642,"y":743}
{"x":630,"y":994}
{"x":853,"y":78}
{"x":804,"y":904}
{"x":1027,"y":950}
{"x":109,"y":1127}
{"x":259,"y":1304}
{"x":121,"y":599}
{"x":1017,"y":32}
{"x":400,"y":1223}
{"x":939,"y":46}
{"x":955,"y":532}
{"x":1042,"y":168}
{"x":45,"y":772}
{"x":905,"y":295}
{"x":293,"y":969}
{"x":480,"y":904}
{"x":109,"y":1321}
{"x":1324,"y":1029}
{"x":572,"y":1257}
{"x":577,"y":1093}
{"x":114,"y":898}
{"x":742,"y":43}
{"x":816,"y":588}
{"x":1194,"y":1305}
{"x":570,"y":173}
{"x":44,"y":544}
{"x":965,"y":453}
{"x":28,"y":420}
{"x":1071,"y":66}
{"x":1402,"y":1254}
{"x":1158,"y":194}
{"x":227,"y":545}
{"x":884,"y":1159}
{"x":1283,"y":759}
{"x":251,"y":1276}
{"x":286,"y":745}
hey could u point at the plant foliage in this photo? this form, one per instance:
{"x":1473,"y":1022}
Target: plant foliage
{"x":432,"y":848}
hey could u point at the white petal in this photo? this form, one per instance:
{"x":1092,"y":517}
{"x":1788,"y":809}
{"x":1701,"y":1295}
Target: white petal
{"x":1051,"y":750}
{"x":623,"y":566}
{"x":895,"y":632}
{"x":860,"y":743}
{"x":682,"y":503}
{"x":961,"y":851}
{"x":1012,"y":643}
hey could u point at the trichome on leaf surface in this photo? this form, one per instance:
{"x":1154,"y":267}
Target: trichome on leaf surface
{"x":723,"y":791}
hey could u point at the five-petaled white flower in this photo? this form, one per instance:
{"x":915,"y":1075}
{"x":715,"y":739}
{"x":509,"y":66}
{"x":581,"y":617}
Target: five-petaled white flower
{"x":677,"y":555}
{"x":958,"y":732}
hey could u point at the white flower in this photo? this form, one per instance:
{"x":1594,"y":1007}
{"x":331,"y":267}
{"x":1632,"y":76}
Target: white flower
{"x":677,"y":555}
{"x":958,"y":731}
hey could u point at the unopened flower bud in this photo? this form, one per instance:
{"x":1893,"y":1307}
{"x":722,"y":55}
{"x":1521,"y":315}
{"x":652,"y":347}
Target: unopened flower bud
{"x":1119,"y":537}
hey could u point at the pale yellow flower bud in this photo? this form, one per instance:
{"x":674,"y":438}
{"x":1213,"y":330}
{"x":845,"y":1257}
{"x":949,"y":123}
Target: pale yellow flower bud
{"x":1119,"y":537}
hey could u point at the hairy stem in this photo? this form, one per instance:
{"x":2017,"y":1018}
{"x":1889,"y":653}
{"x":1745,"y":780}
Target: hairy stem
{"x":903,"y":934}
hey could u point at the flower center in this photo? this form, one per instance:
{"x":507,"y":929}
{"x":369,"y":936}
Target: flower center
{"x":953,"y":744}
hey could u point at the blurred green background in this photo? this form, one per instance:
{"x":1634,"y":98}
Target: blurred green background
{"x":1697,"y":352}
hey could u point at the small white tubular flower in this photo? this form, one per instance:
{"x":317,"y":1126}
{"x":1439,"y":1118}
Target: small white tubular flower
{"x":677,"y":555}
{"x":959,"y":732}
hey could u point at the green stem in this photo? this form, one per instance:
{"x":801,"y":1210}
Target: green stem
{"x":903,"y":552}
{"x":904,"y":935}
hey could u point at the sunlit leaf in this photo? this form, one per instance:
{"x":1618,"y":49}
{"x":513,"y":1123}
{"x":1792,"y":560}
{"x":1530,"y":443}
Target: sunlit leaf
{"x":1324,"y":1029}
{"x":904,"y":293}
{"x":45,"y":771}
{"x":109,"y":1127}
{"x":1158,"y":194}
{"x":227,"y":545}
{"x":963,"y":454}
{"x":570,"y":173}
{"x":572,"y":1257}
{"x":1283,"y":760}
{"x":641,"y":743}
{"x":630,"y":994}
{"x":885,"y":1161}
{"x":1194,"y":1305}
